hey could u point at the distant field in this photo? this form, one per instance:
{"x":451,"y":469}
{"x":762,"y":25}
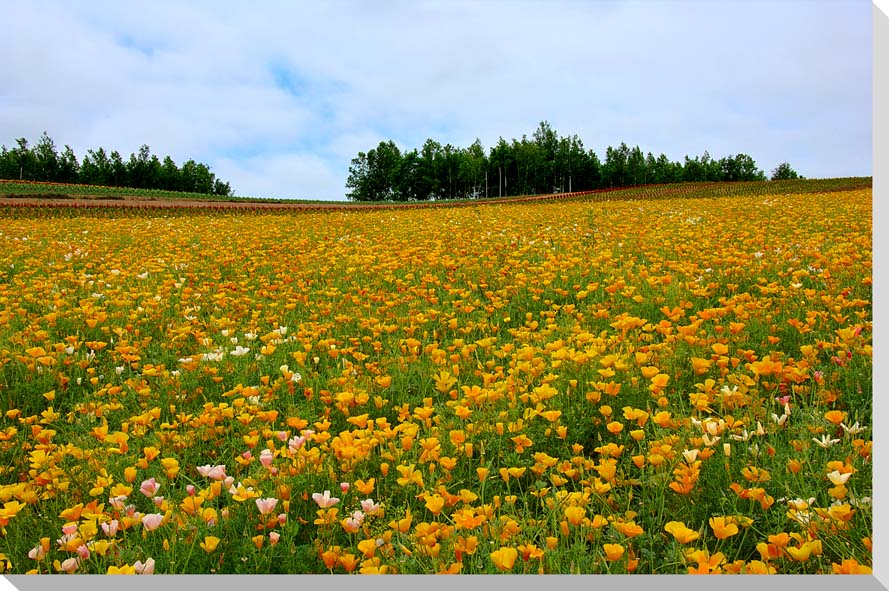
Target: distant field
{"x":54,"y":193}
{"x":18,"y":189}
{"x":669,"y":379}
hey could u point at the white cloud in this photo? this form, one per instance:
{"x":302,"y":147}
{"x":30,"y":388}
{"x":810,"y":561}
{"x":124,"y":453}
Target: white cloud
{"x":779,"y":81}
{"x":281,"y":176}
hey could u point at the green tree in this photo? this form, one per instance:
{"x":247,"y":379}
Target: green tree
{"x":408,"y":184}
{"x":96,"y":168}
{"x":196,"y":177}
{"x":449,"y":170}
{"x":693,"y":171}
{"x":359,"y":178}
{"x":46,"y":159}
{"x":119,"y":173}
{"x":748,"y":170}
{"x":189,"y":175}
{"x":653,"y":173}
{"x":636,"y":170}
{"x":570,"y":165}
{"x":8,"y":166}
{"x":222,"y":188}
{"x":473,"y":163}
{"x":143,"y":170}
{"x":614,"y":170}
{"x":666,"y":171}
{"x":204,"y":179}
{"x":500,"y":162}
{"x":384,"y":164}
{"x":372,"y":175}
{"x":740,"y":168}
{"x":153,"y":173}
{"x":169,"y":175}
{"x":430,"y":163}
{"x":139,"y":168}
{"x":69,"y":168}
{"x":544,"y":163}
{"x":547,"y":171}
{"x":531,"y":175}
{"x":714,"y":171}
{"x":590,"y":172}
{"x":784,"y":172}
{"x":19,"y":162}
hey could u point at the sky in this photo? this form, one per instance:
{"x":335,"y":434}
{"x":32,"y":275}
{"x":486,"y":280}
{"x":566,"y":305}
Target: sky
{"x":277,"y":98}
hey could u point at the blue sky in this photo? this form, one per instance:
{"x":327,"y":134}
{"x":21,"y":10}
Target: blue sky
{"x":278,"y":97}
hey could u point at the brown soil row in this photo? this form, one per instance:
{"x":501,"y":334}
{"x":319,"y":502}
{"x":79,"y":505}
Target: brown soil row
{"x":139,"y":201}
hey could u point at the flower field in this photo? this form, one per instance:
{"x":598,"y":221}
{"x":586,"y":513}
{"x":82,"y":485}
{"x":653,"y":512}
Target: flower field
{"x":673,"y":385}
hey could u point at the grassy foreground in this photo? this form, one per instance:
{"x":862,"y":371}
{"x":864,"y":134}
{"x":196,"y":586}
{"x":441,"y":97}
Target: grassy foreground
{"x":664,"y":384}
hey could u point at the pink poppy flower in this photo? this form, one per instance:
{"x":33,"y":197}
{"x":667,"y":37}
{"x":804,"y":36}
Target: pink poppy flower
{"x":37,"y":553}
{"x":110,"y":527}
{"x":295,"y":443}
{"x":63,"y":541}
{"x":83,"y":551}
{"x":369,"y":507}
{"x":212,"y":472}
{"x":266,"y":506}
{"x":70,"y":565}
{"x":149,"y":487}
{"x":266,"y":457}
{"x":344,"y":486}
{"x":152,"y":521}
{"x":274,"y":537}
{"x":146,"y":568}
{"x":324,"y":501}
{"x":351,"y":525}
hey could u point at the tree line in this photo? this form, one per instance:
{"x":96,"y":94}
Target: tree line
{"x":543,"y":163}
{"x":143,"y":170}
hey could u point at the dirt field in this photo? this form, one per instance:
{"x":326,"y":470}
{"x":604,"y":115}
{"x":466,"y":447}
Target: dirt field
{"x":139,"y":201}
